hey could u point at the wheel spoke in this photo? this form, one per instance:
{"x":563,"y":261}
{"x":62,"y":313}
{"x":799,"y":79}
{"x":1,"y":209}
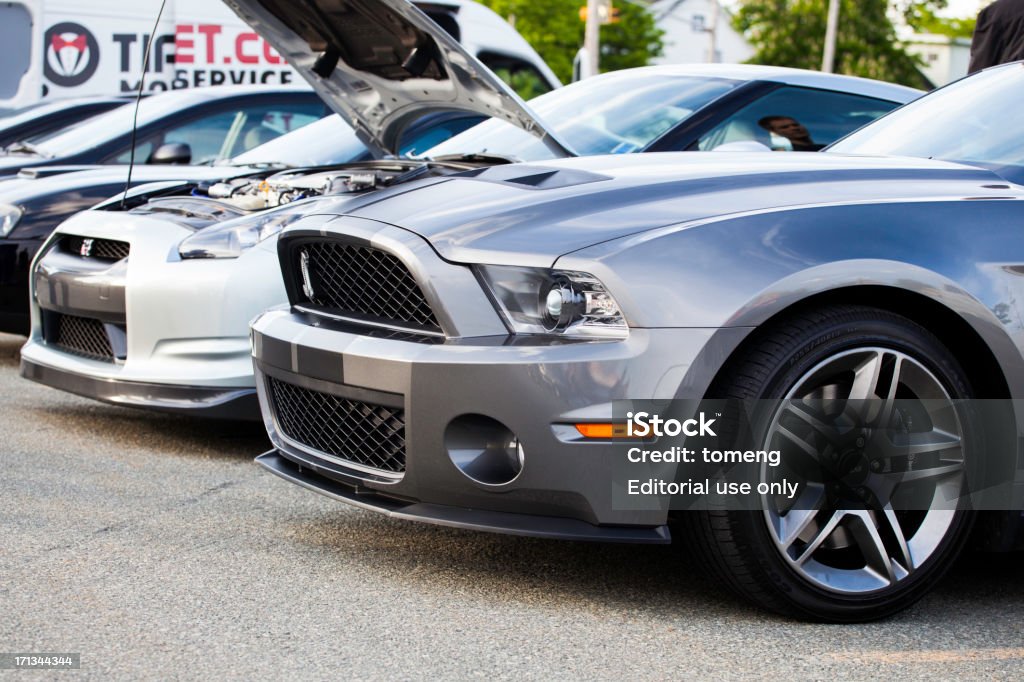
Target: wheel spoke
{"x":870,"y":542}
{"x":892,"y":522}
{"x":873,"y":392}
{"x":805,"y":447}
{"x":935,"y":440}
{"x":798,"y":518}
{"x":889,"y":395}
{"x":927,"y":473}
{"x":821,"y":536}
{"x":804,"y":413}
{"x":865,"y":382}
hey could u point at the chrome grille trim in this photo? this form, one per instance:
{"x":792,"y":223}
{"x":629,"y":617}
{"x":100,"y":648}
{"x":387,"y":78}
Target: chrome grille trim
{"x":359,"y":283}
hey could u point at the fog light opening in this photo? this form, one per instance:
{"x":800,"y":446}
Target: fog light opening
{"x":484,"y":450}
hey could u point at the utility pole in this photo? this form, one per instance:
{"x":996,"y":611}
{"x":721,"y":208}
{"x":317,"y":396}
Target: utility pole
{"x":592,"y":38}
{"x":713,"y":32}
{"x":828,"y":60}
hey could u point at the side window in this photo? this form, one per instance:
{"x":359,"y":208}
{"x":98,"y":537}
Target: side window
{"x":258,"y":125}
{"x":227,"y":133}
{"x":519,"y":74}
{"x":796,"y":119}
{"x":143,"y":150}
{"x":204,"y":136}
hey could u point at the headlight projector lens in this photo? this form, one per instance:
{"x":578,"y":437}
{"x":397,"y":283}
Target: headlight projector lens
{"x":554,"y":304}
{"x":562,"y":305}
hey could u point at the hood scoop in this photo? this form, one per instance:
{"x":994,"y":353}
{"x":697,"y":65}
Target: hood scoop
{"x":534,"y":177}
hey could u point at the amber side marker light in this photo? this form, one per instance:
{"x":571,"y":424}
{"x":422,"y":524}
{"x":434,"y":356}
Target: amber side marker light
{"x":604,"y":431}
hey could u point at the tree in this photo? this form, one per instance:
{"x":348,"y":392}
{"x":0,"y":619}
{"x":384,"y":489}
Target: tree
{"x":792,"y":33}
{"x":926,"y":21}
{"x":923,"y":17}
{"x":911,"y":10}
{"x":554,"y":29}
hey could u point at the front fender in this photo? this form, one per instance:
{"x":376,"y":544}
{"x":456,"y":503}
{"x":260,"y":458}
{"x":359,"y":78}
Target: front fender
{"x":739,"y":271}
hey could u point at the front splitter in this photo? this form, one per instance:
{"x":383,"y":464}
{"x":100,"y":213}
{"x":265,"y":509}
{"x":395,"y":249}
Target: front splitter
{"x":456,"y":517}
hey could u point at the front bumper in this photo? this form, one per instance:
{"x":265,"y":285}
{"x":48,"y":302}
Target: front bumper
{"x":535,"y":389}
{"x":182,"y":325}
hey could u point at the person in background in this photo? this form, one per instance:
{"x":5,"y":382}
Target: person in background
{"x":998,"y":35}
{"x":791,"y":129}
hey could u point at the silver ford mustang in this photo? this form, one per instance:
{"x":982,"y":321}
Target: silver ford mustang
{"x":453,"y":350}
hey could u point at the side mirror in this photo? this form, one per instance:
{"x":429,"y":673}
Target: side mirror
{"x":172,"y":152}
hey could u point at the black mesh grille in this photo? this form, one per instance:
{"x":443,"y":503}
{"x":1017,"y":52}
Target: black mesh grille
{"x":361,"y":433}
{"x":362,"y":282}
{"x":100,"y":249}
{"x":81,"y":336}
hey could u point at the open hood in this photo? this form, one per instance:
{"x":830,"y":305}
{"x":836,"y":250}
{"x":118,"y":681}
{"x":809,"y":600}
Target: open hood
{"x":382,"y":64}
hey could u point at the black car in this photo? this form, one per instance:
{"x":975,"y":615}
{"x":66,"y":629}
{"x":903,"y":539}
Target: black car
{"x":185,"y":126}
{"x":48,"y":117}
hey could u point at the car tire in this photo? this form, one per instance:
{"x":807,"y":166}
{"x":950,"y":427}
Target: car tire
{"x":816,"y":577}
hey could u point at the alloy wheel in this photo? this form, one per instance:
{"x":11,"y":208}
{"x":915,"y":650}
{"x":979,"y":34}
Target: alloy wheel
{"x":876,"y":442}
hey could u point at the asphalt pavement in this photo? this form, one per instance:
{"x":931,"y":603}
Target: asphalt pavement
{"x":155,"y":548}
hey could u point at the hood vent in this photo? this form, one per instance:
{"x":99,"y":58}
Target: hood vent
{"x":534,"y":177}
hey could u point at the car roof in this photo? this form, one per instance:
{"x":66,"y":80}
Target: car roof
{"x":188,"y":96}
{"x":854,"y":85}
{"x":49,"y":106}
{"x":156,"y":106}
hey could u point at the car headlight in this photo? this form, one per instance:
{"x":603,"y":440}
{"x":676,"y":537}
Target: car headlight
{"x":9,"y":217}
{"x":231,"y":238}
{"x":544,"y":301}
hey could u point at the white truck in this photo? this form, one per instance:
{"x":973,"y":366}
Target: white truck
{"x":61,"y":48}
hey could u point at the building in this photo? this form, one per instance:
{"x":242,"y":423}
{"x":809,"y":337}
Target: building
{"x":692,"y":26}
{"x":945,"y":58}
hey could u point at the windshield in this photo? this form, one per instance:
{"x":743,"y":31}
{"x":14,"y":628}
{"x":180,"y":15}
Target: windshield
{"x":974,"y":121}
{"x":321,"y":143}
{"x":615,"y":113}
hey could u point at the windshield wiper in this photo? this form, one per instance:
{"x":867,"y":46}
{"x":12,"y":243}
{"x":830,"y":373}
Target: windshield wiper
{"x":22,"y":147}
{"x":270,"y":165}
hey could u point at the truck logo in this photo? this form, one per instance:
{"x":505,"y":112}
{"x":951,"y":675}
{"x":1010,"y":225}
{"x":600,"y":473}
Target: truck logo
{"x":72,"y":54}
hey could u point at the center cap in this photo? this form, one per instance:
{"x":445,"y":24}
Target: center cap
{"x":854,"y":466}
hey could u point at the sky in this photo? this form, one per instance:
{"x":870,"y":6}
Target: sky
{"x":962,"y":8}
{"x":957,"y":8}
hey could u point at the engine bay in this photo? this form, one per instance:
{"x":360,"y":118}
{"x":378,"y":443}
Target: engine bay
{"x":285,"y":187}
